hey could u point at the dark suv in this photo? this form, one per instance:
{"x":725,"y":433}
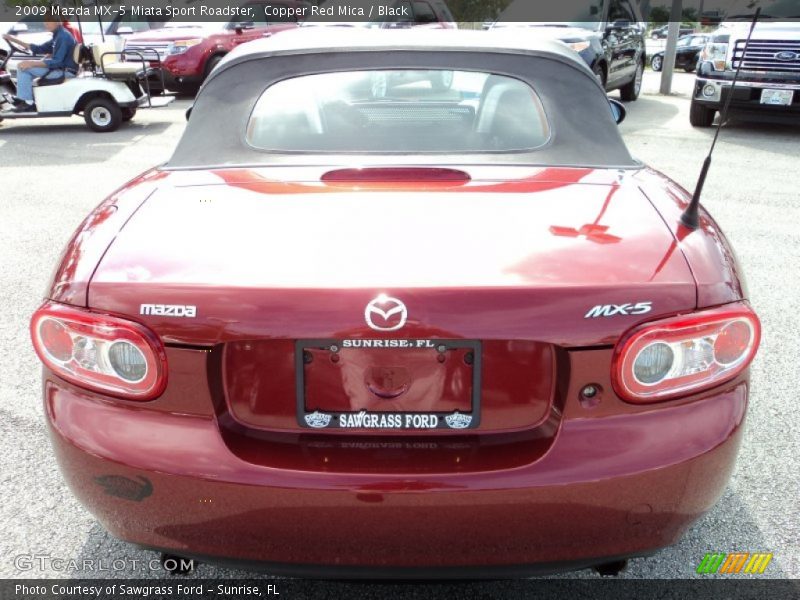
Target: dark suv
{"x":609,"y":36}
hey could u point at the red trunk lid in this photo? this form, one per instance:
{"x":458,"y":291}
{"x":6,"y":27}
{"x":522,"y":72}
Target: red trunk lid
{"x":513,"y":261}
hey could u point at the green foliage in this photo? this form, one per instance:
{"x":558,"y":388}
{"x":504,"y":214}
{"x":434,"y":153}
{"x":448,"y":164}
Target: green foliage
{"x":477,"y":10}
{"x":659,"y":15}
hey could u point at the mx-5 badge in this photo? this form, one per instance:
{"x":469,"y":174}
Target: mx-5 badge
{"x":609,"y":310}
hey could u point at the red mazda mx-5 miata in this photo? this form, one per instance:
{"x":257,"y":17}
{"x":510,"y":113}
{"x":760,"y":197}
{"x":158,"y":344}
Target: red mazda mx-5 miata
{"x":364,"y":324}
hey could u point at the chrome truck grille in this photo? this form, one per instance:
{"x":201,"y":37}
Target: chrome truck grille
{"x":148,"y":51}
{"x":768,"y":55}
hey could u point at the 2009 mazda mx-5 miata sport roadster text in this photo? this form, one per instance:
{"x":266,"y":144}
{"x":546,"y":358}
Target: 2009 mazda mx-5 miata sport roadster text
{"x":364,"y":322}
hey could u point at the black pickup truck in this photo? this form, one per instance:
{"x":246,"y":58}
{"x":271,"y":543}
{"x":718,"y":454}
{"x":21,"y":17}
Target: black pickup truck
{"x":768,"y":87}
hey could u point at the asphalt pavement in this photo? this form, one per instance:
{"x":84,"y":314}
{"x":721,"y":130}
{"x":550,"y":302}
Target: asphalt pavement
{"x":53,"y":172}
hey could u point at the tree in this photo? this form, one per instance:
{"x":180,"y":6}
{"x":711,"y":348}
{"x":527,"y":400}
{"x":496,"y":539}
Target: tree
{"x":477,"y":10}
{"x":659,"y":15}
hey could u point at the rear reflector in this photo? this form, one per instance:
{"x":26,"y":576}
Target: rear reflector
{"x":686,"y":354}
{"x":100,"y":352}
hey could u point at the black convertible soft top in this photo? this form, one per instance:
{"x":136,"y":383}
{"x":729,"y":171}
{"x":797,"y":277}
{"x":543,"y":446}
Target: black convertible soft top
{"x":582,"y":129}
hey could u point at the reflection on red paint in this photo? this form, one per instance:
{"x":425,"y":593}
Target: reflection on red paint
{"x":401,"y":179}
{"x":92,"y":238}
{"x":594,"y":232}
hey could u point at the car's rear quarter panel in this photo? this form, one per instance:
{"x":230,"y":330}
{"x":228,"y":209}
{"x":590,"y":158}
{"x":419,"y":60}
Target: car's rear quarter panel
{"x":708,"y":251}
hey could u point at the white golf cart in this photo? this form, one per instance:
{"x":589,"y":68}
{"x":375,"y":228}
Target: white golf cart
{"x":106,"y":90}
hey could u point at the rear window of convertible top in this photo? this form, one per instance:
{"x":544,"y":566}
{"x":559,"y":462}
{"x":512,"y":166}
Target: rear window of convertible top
{"x":398,"y":111}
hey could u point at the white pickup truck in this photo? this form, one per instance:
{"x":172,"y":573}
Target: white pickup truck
{"x":768,"y":87}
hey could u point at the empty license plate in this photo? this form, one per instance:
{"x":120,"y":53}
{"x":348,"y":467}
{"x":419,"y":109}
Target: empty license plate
{"x":777,"y":97}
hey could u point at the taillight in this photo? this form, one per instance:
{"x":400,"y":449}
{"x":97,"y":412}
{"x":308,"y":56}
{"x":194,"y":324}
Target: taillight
{"x":100,"y":352}
{"x":685,"y":354}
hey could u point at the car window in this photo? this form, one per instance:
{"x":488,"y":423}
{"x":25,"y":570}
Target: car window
{"x":620,"y":10}
{"x":405,"y":12}
{"x":136,"y":26}
{"x":398,"y":111}
{"x":258,"y":18}
{"x":586,"y":14}
{"x":423,"y":13}
{"x":684,"y":41}
{"x":276,"y":15}
{"x":444,"y":11}
{"x":191,"y":28}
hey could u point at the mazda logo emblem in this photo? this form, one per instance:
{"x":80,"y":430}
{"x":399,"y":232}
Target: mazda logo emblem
{"x":787,"y":55}
{"x":385,"y":313}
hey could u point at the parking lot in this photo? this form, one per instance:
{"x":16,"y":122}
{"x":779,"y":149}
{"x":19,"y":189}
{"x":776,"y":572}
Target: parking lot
{"x":53,"y":172}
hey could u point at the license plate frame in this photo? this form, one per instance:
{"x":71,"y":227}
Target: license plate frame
{"x":777,"y":97}
{"x":333,"y":420}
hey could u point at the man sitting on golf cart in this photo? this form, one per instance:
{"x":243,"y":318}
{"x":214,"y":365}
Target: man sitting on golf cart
{"x":59,"y":64}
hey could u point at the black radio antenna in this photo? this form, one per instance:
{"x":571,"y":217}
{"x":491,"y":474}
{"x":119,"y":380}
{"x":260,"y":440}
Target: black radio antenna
{"x":690,"y":217}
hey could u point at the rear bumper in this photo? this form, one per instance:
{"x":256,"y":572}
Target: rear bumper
{"x":608,"y":487}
